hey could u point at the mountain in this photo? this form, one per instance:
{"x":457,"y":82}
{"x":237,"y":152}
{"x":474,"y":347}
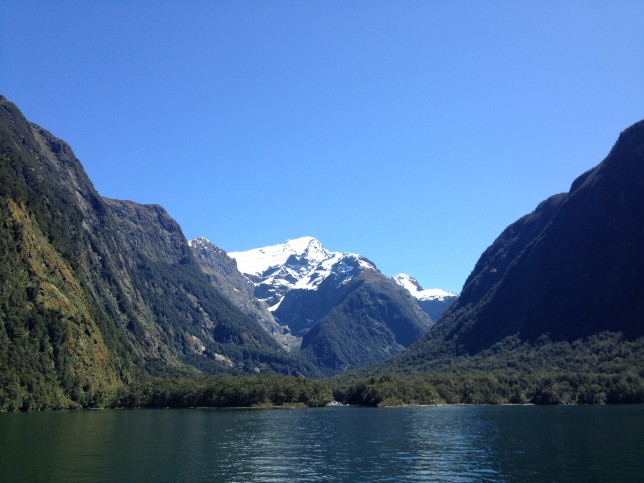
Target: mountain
{"x":302,"y":263}
{"x":95,"y":292}
{"x":434,"y":301}
{"x":299,"y":279}
{"x":347,"y":313}
{"x":177,"y":306}
{"x":568,"y":270}
{"x":222,"y":272}
{"x":373,"y":319}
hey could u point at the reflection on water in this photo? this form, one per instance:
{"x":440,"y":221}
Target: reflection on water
{"x":332,"y":444}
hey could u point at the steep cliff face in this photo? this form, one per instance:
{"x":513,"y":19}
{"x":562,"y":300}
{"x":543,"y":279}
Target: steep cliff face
{"x":570,"y":269}
{"x":94,"y":290}
{"x":53,"y":349}
{"x":58,"y":343}
{"x":223,"y":274}
{"x":180,"y":311}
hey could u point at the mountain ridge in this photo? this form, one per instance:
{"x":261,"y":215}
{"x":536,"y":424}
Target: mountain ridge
{"x":300,"y":263}
{"x":101,"y":291}
{"x":97,"y":293}
{"x":536,"y":278}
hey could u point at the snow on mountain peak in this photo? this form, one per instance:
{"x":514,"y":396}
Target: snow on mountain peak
{"x":413,"y":287}
{"x":205,"y":247}
{"x":199,"y":242}
{"x":408,"y":282}
{"x":302,"y":263}
{"x":259,"y":260}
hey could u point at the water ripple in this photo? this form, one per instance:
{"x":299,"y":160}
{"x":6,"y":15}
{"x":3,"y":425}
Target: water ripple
{"x":447,"y":444}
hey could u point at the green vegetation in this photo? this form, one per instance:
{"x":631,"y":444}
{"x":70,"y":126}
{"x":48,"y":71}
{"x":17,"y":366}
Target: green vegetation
{"x":387,"y":391}
{"x":374,"y":320}
{"x":604,"y":368}
{"x":52,"y":353}
{"x":226,"y":391}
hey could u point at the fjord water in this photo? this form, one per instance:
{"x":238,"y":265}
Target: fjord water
{"x":600,"y":443}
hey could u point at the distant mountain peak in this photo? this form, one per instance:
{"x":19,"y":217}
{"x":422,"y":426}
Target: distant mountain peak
{"x":200,"y":240}
{"x":201,"y":243}
{"x":408,"y":282}
{"x":414,"y":288}
{"x":304,"y":243}
{"x":300,"y":263}
{"x":258,"y":261}
{"x":345,"y":313}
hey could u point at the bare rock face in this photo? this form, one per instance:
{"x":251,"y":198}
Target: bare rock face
{"x":223,"y":274}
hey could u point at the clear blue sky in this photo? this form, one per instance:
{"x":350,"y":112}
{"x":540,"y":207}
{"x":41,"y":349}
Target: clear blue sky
{"x":411,"y":132}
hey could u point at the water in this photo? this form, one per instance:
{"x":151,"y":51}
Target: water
{"x":599,"y":443}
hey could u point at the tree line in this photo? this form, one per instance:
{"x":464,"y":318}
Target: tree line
{"x":602,"y":369}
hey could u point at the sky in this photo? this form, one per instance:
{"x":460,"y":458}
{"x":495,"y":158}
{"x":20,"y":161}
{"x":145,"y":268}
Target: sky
{"x":411,"y":132}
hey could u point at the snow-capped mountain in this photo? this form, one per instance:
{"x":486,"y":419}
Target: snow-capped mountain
{"x":348,"y":314}
{"x":434,"y":301}
{"x":337,"y":307}
{"x":418,"y":292}
{"x":299,"y":264}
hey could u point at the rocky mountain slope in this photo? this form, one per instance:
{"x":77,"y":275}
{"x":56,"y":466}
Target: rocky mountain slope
{"x":222,"y":272}
{"x":570,"y":269}
{"x":94,"y":291}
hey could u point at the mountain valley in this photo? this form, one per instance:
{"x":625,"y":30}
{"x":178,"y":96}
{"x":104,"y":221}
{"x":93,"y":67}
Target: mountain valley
{"x":339,"y":309}
{"x":104,"y":302}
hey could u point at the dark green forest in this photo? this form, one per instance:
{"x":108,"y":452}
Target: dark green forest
{"x":225,"y":391}
{"x":602,"y":369}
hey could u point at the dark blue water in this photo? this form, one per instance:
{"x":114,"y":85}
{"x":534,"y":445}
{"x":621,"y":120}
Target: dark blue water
{"x":599,"y":443}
